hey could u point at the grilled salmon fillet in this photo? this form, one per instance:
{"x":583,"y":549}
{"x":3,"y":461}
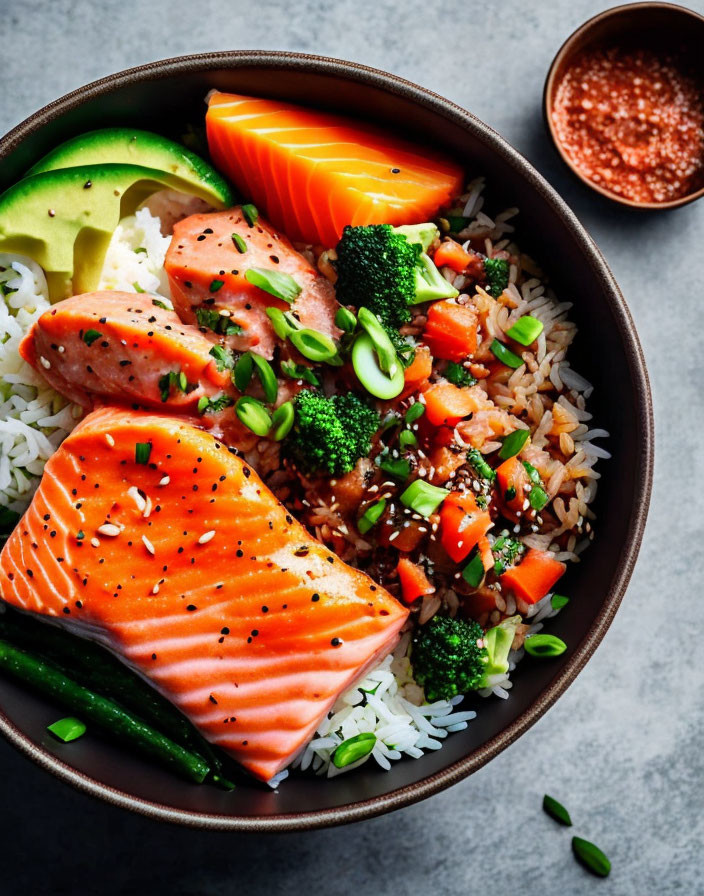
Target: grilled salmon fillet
{"x":120,"y":345}
{"x":207,"y":272}
{"x":178,"y":559}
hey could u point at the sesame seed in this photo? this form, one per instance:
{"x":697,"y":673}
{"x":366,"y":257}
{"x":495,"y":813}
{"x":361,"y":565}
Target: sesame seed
{"x":61,"y":349}
{"x":206,"y":537}
{"x":134,"y":493}
{"x":109,"y":439}
{"x":147,"y":507}
{"x":148,"y":545}
{"x":394,"y":535}
{"x":109,"y":529}
{"x":45,"y":364}
{"x":165,"y":480}
{"x":95,"y":542}
{"x":155,"y":589}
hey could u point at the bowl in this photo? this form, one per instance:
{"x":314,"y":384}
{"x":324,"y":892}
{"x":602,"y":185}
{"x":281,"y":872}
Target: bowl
{"x":167,"y":96}
{"x":662,"y":26}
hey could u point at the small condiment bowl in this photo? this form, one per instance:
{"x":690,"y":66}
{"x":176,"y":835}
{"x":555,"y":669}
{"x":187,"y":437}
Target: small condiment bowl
{"x":665,"y":27}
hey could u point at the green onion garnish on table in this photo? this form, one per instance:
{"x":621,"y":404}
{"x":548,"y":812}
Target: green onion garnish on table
{"x":556,"y":811}
{"x":591,"y":857}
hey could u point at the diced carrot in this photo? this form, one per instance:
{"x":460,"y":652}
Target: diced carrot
{"x":446,"y":404}
{"x":444,"y":462}
{"x":485,"y":553}
{"x":417,"y":373}
{"x":512,"y":478}
{"x":414,"y":582}
{"x":534,"y":576}
{"x":450,"y":254}
{"x":408,"y":536}
{"x":480,"y":603}
{"x":451,"y":331}
{"x":462,"y":524}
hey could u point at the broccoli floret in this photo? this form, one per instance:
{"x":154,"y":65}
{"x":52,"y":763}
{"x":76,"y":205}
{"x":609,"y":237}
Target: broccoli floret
{"x":330,"y":434}
{"x":449,"y":657}
{"x":386,"y":270}
{"x":458,"y":375}
{"x":496,"y":270}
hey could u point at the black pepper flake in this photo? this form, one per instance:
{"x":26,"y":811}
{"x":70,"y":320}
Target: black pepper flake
{"x":335,"y":642}
{"x":239,"y":552}
{"x":212,"y":699}
{"x":315,"y":598}
{"x":220,"y":640}
{"x":47,"y":516}
{"x":246,"y":472}
{"x":289,"y":519}
{"x":67,"y":610}
{"x":395,"y":170}
{"x":79,"y":604}
{"x":201,"y":237}
{"x":153,"y":656}
{"x":255,"y":632}
{"x":191,"y":607}
{"x":265,"y":609}
{"x":224,"y":630}
{"x":103,"y":320}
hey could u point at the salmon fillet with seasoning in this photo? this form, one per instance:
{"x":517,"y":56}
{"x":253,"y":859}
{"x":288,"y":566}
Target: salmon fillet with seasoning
{"x":177,"y":557}
{"x":122,"y":346}
{"x":207,"y":273}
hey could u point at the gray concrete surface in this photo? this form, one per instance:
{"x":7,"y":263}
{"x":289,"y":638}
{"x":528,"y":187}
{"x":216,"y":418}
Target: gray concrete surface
{"x":623,"y":747}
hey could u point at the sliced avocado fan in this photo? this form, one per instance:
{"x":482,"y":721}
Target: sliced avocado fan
{"x":64,"y":219}
{"x":130,"y":146}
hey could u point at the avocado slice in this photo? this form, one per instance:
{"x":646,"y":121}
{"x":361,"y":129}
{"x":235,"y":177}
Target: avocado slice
{"x":64,"y":219}
{"x":130,"y":146}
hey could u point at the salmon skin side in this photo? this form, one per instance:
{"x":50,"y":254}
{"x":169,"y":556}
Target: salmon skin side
{"x":313,"y":172}
{"x":119,"y":345}
{"x":191,"y":572}
{"x":207,"y":273}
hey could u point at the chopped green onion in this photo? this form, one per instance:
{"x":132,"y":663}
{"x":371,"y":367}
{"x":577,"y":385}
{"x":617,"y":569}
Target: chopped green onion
{"x":513,"y":443}
{"x":283,"y":323}
{"x":315,"y":346}
{"x":538,"y":497}
{"x":250,"y":214}
{"x":458,"y":375}
{"x":276,"y":283}
{"x":90,"y":336}
{"x":137,"y":287}
{"x":216,"y":285}
{"x":166,"y":382}
{"x":370,"y":374}
{"x":558,"y":601}
{"x":505,"y":355}
{"x":254,"y":415}
{"x":299,"y":372}
{"x":210,"y":319}
{"x":526,"y":330}
{"x":371,"y":516}
{"x":407,"y":439}
{"x":544,"y":645}
{"x":591,"y":857}
{"x":398,"y":467}
{"x":533,"y":474}
{"x":142,"y":452}
{"x":183,"y":383}
{"x":267,"y":377}
{"x":456,"y":222}
{"x":243,"y":370}
{"x":239,"y":242}
{"x":383,"y":346}
{"x":67,"y":729}
{"x":415,"y":412}
{"x":282,"y":421}
{"x":353,"y":749}
{"x":423,"y":497}
{"x":140,"y":250}
{"x":159,"y":304}
{"x":476,"y":459}
{"x":345,"y":320}
{"x":224,"y":359}
{"x":213,"y":405}
{"x":557,"y":811}
{"x":473,"y":573}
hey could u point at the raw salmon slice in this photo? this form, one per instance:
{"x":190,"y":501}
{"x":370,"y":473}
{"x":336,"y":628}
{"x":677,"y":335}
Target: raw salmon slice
{"x":314,"y":172}
{"x":207,"y":273}
{"x":190,"y":571}
{"x":121,"y":346}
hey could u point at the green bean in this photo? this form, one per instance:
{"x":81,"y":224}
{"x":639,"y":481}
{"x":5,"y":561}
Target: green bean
{"x":103,"y":713}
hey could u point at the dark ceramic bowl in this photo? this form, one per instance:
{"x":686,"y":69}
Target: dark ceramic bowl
{"x":663,"y":27}
{"x":166,"y":96}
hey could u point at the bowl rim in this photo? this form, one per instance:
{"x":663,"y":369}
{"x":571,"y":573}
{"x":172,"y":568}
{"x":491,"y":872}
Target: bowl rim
{"x":550,"y":87}
{"x":404,"y":796}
